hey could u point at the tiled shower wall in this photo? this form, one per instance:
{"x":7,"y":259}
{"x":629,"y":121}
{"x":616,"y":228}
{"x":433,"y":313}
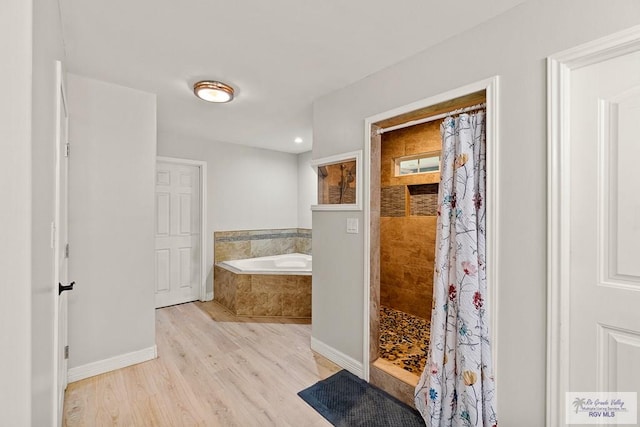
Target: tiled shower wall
{"x":330,"y":186}
{"x":408,"y":209}
{"x":257,"y":243}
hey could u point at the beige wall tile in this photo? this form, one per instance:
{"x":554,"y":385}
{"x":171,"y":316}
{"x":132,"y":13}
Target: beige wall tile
{"x":224,"y":251}
{"x":406,"y":264}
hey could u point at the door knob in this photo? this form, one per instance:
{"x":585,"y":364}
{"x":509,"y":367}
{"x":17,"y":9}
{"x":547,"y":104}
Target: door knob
{"x":62,"y":288}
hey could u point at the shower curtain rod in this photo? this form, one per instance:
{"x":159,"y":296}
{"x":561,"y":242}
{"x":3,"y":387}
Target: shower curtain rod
{"x":432,"y":118}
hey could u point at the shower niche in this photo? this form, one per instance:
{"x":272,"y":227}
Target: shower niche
{"x":405,"y":176}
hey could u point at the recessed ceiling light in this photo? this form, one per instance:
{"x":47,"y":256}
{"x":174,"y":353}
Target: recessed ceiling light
{"x":298,"y":140}
{"x":213,"y":91}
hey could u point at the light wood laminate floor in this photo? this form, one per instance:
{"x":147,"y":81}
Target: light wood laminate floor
{"x":213,"y":369}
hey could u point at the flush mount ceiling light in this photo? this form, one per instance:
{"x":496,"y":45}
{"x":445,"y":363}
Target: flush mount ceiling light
{"x":213,"y":91}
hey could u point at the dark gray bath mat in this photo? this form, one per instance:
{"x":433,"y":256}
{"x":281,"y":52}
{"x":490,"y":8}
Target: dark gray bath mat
{"x":347,"y":401}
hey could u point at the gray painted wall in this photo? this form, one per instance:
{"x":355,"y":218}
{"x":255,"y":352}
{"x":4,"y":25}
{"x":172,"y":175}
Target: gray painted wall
{"x":307,"y":189}
{"x":248,"y":188}
{"x":111,"y":195}
{"x":514,"y":46}
{"x":16,"y":25}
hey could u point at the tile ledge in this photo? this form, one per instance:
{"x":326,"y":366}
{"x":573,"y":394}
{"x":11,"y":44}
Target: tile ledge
{"x":396,"y":372}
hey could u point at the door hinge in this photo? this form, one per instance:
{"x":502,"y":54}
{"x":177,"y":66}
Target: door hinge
{"x":66,"y":351}
{"x":66,"y":251}
{"x":67,"y":149}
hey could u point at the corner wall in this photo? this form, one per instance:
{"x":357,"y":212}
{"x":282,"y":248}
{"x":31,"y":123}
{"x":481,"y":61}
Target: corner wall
{"x":515,"y":46}
{"x":307,"y":189}
{"x":111,"y":197}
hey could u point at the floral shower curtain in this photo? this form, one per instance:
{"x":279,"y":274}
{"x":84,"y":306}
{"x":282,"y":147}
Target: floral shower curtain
{"x":457,"y":386}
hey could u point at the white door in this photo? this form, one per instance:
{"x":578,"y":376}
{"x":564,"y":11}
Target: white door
{"x":178,"y":251}
{"x":604,"y":270}
{"x":61,"y":253}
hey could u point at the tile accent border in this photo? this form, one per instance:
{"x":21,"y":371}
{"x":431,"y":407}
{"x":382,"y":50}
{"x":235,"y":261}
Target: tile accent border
{"x":393,"y":201}
{"x":231,"y":236}
{"x":242,"y":244}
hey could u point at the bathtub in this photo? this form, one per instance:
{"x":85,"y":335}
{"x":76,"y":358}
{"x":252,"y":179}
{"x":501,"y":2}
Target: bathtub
{"x":270,"y":286}
{"x":288,"y":264}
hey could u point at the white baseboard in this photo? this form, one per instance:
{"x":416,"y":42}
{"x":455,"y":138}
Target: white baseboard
{"x":117,"y":362}
{"x":337,"y":357}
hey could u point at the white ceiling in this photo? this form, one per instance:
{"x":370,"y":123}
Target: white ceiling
{"x":279,"y":55}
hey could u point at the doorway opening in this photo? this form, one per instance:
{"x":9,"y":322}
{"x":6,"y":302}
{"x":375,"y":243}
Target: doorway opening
{"x":180,"y":231}
{"x":403,"y":175}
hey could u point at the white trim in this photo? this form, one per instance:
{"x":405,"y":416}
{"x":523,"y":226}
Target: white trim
{"x":337,"y":207}
{"x":202,"y":165}
{"x":493,"y":229}
{"x":61,"y":103}
{"x":55,"y":236}
{"x":427,"y":102}
{"x":338,"y":158}
{"x":490,"y":86}
{"x":111,"y":364}
{"x":337,"y":357}
{"x":430,"y":119}
{"x":559,"y":67}
{"x":366,"y":307}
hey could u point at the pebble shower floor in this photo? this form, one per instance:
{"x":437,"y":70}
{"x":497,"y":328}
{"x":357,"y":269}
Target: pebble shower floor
{"x":404,"y":339}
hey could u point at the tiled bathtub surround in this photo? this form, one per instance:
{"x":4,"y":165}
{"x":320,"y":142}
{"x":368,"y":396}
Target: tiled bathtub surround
{"x":263,"y":294}
{"x":256,"y":243}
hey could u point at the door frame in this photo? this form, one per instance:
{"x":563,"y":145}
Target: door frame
{"x":61,"y":99}
{"x":490,"y":86}
{"x":202,"y":166}
{"x":559,"y":67}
